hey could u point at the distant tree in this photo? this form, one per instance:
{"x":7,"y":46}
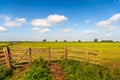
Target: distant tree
{"x":65,"y":40}
{"x":56,"y":40}
{"x":44,"y":40}
{"x":79,"y":40}
{"x":107,"y":41}
{"x":96,"y":40}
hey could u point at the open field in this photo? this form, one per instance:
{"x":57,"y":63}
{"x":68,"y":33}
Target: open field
{"x":107,"y":53}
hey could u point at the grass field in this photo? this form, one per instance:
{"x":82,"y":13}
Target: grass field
{"x":108,"y":52}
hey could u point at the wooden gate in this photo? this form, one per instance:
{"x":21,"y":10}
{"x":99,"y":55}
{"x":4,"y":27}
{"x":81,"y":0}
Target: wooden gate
{"x":20,"y":57}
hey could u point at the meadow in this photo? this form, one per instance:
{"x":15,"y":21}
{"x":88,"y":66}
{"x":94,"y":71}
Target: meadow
{"x":107,"y":69}
{"x":108,"y":52}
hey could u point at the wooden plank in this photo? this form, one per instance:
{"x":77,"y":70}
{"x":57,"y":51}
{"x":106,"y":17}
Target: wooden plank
{"x":87,"y":55}
{"x":66,"y":52}
{"x":30,"y":57}
{"x":55,"y":51}
{"x":17,"y":49}
{"x":95,"y":58}
{"x":8,"y":57}
{"x":80,"y":57}
{"x":21,"y":57}
{"x":2,"y":63}
{"x":95,"y":54}
{"x":2,"y":56}
{"x":2,"y":60}
{"x":49,"y":57}
{"x":15,"y":55}
{"x":57,"y":48}
{"x":1,"y":52}
{"x":74,"y":51}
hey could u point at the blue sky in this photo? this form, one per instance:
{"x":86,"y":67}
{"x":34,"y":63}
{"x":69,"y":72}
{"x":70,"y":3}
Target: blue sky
{"x":84,"y":20}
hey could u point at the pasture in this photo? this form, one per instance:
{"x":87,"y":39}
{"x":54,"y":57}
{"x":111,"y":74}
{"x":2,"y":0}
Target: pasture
{"x":108,"y":62}
{"x":108,"y":52}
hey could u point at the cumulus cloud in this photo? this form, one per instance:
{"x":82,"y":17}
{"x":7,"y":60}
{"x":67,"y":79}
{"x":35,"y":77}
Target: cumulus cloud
{"x":108,"y":34}
{"x":108,"y":25}
{"x":2,"y":29}
{"x":67,"y":30}
{"x":41,"y":30}
{"x":17,"y":22}
{"x":87,"y":21}
{"x":51,"y":20}
{"x":12,"y":23}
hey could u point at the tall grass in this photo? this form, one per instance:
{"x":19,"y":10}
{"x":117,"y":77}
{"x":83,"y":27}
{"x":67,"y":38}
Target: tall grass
{"x":38,"y":71}
{"x":76,"y":70}
{"x":5,"y":73}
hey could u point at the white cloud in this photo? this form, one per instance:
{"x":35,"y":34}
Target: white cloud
{"x":51,"y":20}
{"x":41,"y":30}
{"x":2,"y":29}
{"x":17,"y":22}
{"x":4,"y":18}
{"x":108,"y":25}
{"x":89,"y":32}
{"x":87,"y":21}
{"x":67,"y":30}
{"x":108,"y":34}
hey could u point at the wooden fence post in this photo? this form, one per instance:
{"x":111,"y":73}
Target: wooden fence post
{"x":8,"y":57}
{"x":66,"y":52}
{"x":30,"y":60}
{"x":49,"y":55}
{"x":87,"y":55}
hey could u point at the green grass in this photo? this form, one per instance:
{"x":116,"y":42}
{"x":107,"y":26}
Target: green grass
{"x":76,"y":70}
{"x":5,"y":73}
{"x":4,"y":44}
{"x":109,"y":52}
{"x":38,"y":71}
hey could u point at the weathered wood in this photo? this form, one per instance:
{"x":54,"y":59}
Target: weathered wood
{"x":95,"y":58}
{"x":49,"y":60}
{"x":21,"y":57}
{"x":2,"y":56}
{"x":66,"y":52}
{"x":92,"y":54}
{"x":8,"y":57}
{"x":30,"y":56}
{"x":2,"y":63}
{"x":77,"y":51}
{"x":87,"y":55}
{"x":57,"y":51}
{"x":2,"y":60}
{"x":1,"y":52}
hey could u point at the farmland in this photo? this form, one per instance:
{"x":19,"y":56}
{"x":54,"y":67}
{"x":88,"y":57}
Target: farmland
{"x":108,"y":53}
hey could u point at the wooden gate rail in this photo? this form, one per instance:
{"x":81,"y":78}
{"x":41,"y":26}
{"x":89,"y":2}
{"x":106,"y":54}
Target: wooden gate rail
{"x":22,"y":57}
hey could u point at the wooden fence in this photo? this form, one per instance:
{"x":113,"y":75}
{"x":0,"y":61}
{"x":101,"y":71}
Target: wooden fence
{"x":2,"y":58}
{"x":14,"y":56}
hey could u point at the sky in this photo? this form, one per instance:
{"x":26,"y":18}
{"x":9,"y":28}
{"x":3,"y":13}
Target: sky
{"x":71,"y":20}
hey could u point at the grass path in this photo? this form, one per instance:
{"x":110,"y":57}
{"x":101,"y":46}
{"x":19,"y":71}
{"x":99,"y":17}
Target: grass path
{"x":56,"y":71}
